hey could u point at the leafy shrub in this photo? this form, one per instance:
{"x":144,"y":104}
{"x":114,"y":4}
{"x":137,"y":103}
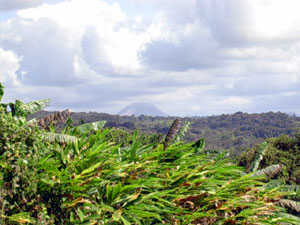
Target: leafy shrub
{"x":21,"y":149}
{"x":280,"y":150}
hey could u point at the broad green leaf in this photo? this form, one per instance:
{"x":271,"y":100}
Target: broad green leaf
{"x":80,"y":214}
{"x":89,"y":127}
{"x":259,"y":156}
{"x":108,"y":192}
{"x":116,"y":190}
{"x":199,"y":145}
{"x":134,"y":146}
{"x":182,"y":132}
{"x":60,"y":138}
{"x":34,"y":106}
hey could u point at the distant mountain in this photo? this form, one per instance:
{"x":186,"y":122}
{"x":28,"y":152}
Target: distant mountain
{"x":138,"y":109}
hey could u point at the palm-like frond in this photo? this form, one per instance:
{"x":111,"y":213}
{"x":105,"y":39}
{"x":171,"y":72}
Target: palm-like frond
{"x":294,"y":205}
{"x":259,"y":156}
{"x":60,"y":138}
{"x":34,"y":106}
{"x":182,"y":132}
{"x":291,"y":188}
{"x":274,"y":184}
{"x":269,"y":171}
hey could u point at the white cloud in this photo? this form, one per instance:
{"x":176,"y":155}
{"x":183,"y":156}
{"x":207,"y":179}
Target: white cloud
{"x":188,"y":57}
{"x":76,"y":15}
{"x":46,"y":50}
{"x":276,"y":19}
{"x":19,"y":4}
{"x":9,"y":64}
{"x":108,"y":39}
{"x":235,"y":22}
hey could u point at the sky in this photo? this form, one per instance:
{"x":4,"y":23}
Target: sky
{"x":188,"y":58}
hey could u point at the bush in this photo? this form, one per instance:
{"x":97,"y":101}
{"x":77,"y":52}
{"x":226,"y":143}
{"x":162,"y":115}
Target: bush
{"x":280,"y":150}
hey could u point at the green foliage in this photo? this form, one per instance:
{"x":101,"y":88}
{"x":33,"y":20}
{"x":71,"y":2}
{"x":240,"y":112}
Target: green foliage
{"x":282,"y":150}
{"x":20,"y":109}
{"x":96,"y":181}
{"x":199,"y":145}
{"x":32,"y":107}
{"x":21,"y":149}
{"x":182,"y":132}
{"x":125,"y":138}
{"x":259,"y":156}
{"x":269,"y":171}
{"x":59,"y":138}
{"x":119,"y":136}
{"x":87,"y":127}
{"x":233,"y":132}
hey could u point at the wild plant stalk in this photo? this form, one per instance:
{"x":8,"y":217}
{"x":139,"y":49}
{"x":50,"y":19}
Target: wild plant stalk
{"x":172,"y":133}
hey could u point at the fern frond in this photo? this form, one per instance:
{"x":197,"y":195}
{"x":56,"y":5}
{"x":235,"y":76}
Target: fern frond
{"x":291,"y":188}
{"x":269,"y":171}
{"x":259,"y":156}
{"x":274,"y":184}
{"x":171,"y":133}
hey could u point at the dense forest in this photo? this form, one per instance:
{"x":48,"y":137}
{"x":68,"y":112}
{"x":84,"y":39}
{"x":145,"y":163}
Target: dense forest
{"x":235,"y":132}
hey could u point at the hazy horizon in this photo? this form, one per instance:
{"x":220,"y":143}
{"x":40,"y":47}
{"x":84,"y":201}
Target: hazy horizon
{"x":193,"y":57}
{"x":199,"y":115}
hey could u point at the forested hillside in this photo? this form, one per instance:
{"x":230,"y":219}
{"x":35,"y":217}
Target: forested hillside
{"x":235,"y":132}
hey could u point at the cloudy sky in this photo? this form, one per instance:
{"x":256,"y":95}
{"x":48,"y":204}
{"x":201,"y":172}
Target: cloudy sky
{"x":191,"y":57}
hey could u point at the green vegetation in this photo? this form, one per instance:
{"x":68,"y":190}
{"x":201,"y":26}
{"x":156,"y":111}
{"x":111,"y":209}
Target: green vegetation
{"x":283,"y":150}
{"x":236,"y":132}
{"x":86,"y":175}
